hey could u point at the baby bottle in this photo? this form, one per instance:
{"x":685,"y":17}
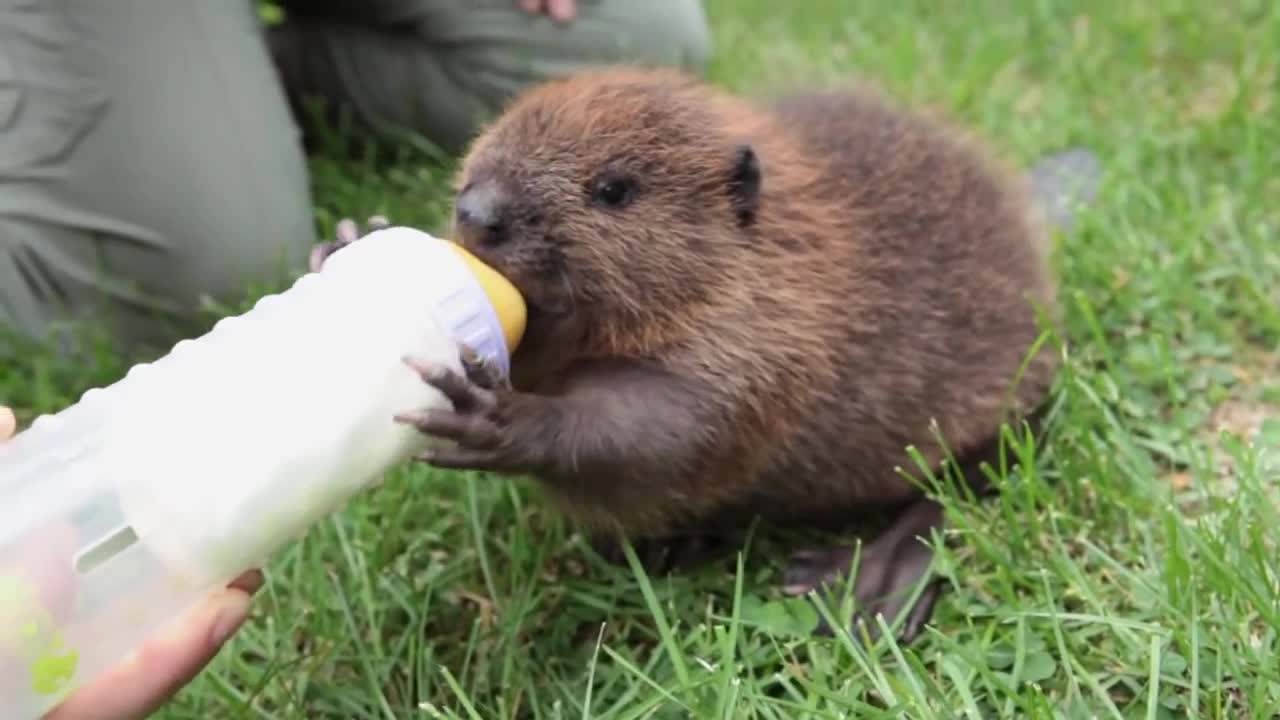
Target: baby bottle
{"x":122,"y":511}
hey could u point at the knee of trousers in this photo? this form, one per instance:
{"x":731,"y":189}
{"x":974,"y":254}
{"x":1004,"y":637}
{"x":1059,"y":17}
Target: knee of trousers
{"x":446,"y":69}
{"x":141,"y":178}
{"x":144,"y":281}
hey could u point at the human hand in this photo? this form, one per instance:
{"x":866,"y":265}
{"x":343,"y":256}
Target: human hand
{"x":346,"y":232}
{"x":558,"y":10}
{"x":138,"y":686}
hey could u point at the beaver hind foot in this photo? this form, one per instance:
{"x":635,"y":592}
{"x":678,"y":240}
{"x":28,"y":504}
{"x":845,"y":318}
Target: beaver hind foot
{"x":889,"y":570}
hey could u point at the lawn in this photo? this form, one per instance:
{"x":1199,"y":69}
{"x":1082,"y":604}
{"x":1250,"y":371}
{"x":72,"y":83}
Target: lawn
{"x":1129,"y":573}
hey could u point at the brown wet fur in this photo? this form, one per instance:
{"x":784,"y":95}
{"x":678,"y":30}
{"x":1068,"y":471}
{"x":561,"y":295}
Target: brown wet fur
{"x":714,"y":350}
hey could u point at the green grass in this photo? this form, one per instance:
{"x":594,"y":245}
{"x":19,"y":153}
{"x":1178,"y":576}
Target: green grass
{"x":1130,"y":573}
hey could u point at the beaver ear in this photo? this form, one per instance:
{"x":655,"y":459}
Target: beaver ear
{"x":744,"y":183}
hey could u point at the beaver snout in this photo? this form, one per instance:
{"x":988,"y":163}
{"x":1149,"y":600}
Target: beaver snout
{"x":481,"y":214}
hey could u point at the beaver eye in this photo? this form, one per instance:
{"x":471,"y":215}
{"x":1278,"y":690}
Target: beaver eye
{"x":614,"y":192}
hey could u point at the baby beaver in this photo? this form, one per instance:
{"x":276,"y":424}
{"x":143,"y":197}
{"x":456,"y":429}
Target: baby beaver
{"x":742,"y":311}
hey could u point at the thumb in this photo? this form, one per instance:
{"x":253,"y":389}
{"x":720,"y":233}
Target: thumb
{"x":143,"y":683}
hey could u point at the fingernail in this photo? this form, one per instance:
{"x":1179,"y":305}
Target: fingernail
{"x":250,"y":582}
{"x":229,"y":619}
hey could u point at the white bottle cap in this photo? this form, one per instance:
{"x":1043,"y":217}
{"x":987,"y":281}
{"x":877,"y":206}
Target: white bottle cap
{"x":459,"y":302}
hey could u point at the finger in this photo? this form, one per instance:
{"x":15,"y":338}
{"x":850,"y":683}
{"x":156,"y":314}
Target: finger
{"x":460,"y":459}
{"x":531,"y":6}
{"x":561,"y":10}
{"x":143,"y":683}
{"x":347,"y":231}
{"x":470,"y":430}
{"x":480,"y":370}
{"x":377,"y":222}
{"x":465,"y":395}
{"x":318,"y":255}
{"x":921,"y":613}
{"x":470,"y":356}
{"x":8,"y":423}
{"x":805,"y":570}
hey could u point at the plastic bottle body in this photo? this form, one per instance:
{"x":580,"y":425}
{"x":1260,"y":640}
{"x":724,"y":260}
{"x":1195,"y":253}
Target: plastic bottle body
{"x":122,"y":511}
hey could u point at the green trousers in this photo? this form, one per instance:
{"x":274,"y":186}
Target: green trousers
{"x":149,"y":157}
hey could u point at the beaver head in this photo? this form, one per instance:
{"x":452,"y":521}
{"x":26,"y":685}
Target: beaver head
{"x":615,"y":200}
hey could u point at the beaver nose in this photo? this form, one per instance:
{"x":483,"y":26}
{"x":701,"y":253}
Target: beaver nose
{"x":481,"y":213}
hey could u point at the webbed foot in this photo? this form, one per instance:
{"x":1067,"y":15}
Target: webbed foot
{"x":889,"y":569}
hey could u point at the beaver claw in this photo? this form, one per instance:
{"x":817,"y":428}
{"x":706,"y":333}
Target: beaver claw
{"x":483,"y":372}
{"x":346,"y":232}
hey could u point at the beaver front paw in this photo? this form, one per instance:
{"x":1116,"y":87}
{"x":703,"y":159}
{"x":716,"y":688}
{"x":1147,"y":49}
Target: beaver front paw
{"x":346,"y":232}
{"x":494,"y":429}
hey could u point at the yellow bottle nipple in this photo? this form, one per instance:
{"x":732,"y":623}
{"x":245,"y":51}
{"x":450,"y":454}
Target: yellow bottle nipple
{"x":505,"y":298}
